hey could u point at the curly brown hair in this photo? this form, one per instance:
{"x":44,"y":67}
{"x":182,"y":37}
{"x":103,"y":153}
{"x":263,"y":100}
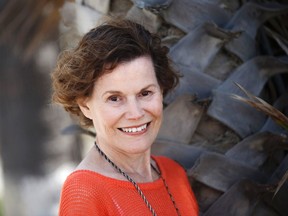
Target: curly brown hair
{"x":100,"y":51}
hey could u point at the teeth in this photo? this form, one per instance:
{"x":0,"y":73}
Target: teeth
{"x":134,"y":130}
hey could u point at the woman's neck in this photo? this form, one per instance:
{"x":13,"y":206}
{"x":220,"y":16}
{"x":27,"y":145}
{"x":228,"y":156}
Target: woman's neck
{"x":137,"y":166}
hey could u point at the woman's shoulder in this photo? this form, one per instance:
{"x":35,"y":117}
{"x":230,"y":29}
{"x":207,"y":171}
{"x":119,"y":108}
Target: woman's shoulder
{"x":82,"y":184}
{"x":81,"y":192}
{"x":82,"y":180}
{"x":81,"y":175}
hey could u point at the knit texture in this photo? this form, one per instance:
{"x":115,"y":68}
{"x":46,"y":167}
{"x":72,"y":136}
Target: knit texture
{"x":89,"y":193}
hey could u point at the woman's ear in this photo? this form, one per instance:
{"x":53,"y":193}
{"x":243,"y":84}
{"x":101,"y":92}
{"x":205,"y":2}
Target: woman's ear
{"x":84,"y":107}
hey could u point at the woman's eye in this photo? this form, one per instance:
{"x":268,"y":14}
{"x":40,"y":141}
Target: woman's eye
{"x":114,"y":98}
{"x":146,"y":93}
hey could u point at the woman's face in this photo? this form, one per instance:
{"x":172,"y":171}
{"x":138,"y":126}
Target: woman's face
{"x":126,"y":107}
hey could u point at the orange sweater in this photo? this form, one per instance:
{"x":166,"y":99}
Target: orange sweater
{"x":89,"y":193}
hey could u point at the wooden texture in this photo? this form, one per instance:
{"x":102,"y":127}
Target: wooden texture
{"x":144,"y":17}
{"x":180,"y":120}
{"x":252,"y":75}
{"x":239,"y":200}
{"x":194,"y":83}
{"x":187,"y":14}
{"x":198,"y":48}
{"x":255,"y":149}
{"x":184,"y":154}
{"x":220,"y":172}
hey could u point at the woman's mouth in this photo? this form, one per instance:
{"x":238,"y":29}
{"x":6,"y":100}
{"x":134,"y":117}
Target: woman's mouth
{"x":135,"y":129}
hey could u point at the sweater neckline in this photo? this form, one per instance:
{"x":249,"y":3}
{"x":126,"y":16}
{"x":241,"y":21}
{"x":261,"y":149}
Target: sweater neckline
{"x":124,"y":183}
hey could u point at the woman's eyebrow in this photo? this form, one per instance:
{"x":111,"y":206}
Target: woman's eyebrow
{"x":119,"y":92}
{"x":111,"y":92}
{"x":148,"y":86}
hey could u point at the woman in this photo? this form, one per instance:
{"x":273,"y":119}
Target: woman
{"x":115,"y":80}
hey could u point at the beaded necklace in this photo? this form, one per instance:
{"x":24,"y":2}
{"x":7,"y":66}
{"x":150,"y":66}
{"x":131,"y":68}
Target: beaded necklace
{"x":140,"y":192}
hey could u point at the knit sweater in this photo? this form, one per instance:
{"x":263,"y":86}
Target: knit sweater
{"x":89,"y":193}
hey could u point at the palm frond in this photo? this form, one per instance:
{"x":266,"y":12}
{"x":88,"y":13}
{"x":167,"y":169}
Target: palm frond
{"x":262,"y":106}
{"x":269,"y":110}
{"x":281,"y":183}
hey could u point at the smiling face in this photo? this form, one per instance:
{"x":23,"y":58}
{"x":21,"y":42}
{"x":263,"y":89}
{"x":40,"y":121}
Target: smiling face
{"x":126,"y":107}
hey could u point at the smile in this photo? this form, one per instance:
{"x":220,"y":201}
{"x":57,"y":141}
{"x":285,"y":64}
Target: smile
{"x":134,"y":129}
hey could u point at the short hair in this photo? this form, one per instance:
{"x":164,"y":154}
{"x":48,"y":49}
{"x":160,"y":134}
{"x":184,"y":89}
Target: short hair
{"x":100,"y":51}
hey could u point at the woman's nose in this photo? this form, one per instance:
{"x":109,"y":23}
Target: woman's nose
{"x":134,"y":110}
